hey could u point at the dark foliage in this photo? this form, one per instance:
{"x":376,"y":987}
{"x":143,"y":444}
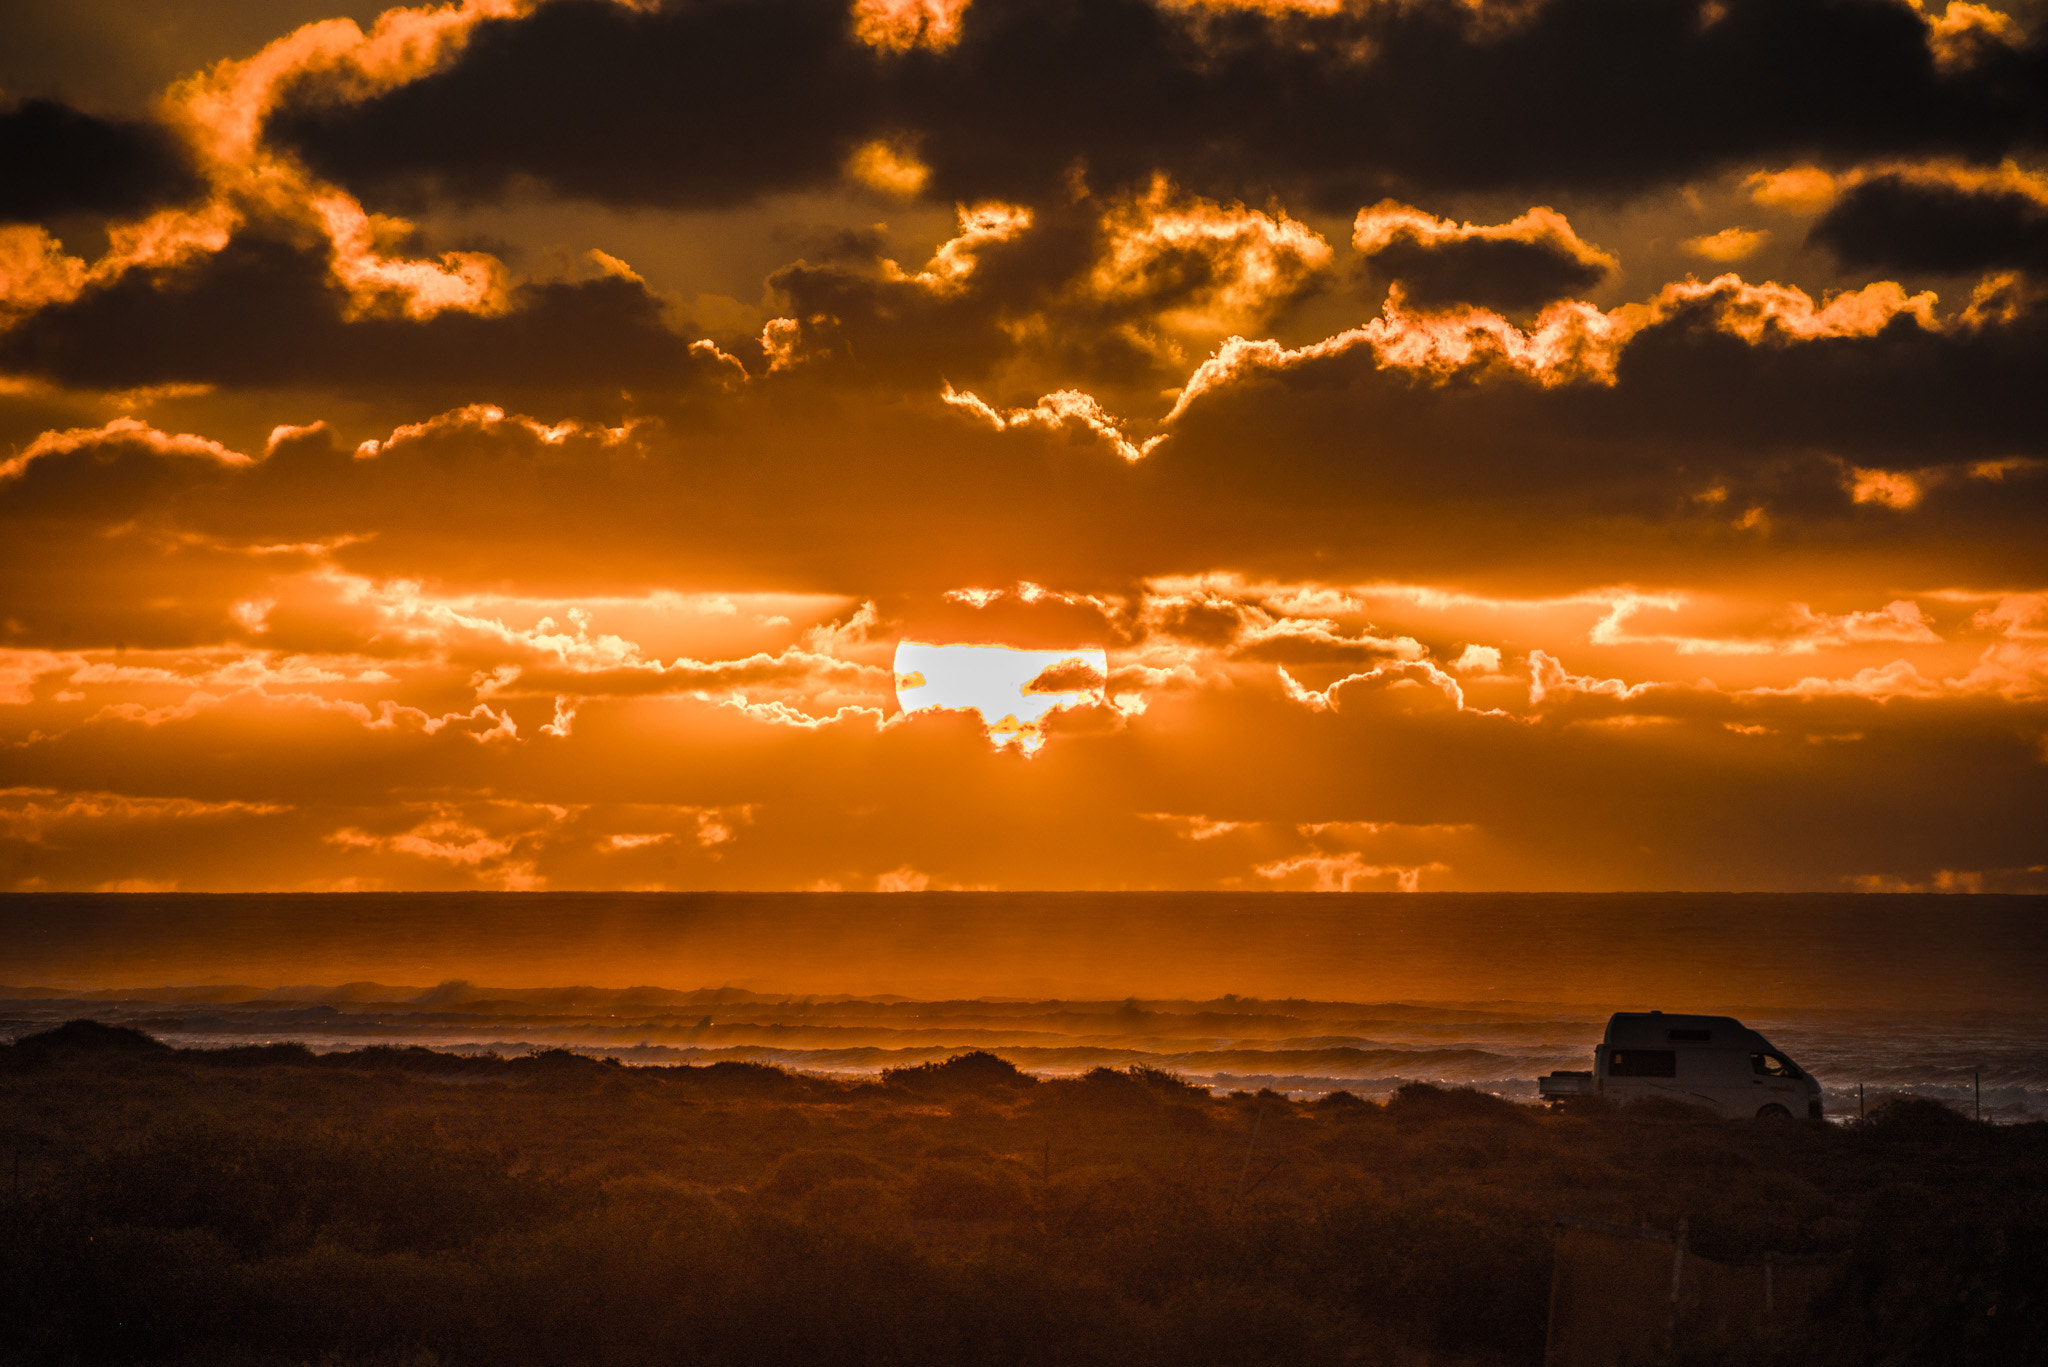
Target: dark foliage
{"x":1422,"y":1099}
{"x":86,"y":1036}
{"x":260,"y":1055}
{"x":266,"y":1207}
{"x":976,"y":1071}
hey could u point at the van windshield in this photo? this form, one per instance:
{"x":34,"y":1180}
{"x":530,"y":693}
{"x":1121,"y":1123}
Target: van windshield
{"x":1773,"y":1065}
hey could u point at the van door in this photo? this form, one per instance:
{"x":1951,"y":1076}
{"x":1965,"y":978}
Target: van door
{"x":1719,"y":1078}
{"x":1640,"y":1072}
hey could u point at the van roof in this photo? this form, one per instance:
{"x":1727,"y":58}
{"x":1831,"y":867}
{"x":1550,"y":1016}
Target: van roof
{"x":1660,"y":1030}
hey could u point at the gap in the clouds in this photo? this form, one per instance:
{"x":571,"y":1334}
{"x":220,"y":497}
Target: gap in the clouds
{"x":1012,"y":690}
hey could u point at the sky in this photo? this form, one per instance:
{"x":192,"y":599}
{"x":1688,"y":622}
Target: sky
{"x":898,"y":445}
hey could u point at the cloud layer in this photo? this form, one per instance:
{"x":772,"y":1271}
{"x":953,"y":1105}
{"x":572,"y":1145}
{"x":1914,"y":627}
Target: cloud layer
{"x":516,"y":444}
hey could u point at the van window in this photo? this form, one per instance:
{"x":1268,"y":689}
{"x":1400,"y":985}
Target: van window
{"x":1643,"y":1063}
{"x":1772,"y":1065}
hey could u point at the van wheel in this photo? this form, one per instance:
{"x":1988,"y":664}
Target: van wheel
{"x":1774,"y":1112}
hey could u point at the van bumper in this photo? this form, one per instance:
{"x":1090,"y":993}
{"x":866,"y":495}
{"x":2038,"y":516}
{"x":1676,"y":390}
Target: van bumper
{"x":1813,"y":1109}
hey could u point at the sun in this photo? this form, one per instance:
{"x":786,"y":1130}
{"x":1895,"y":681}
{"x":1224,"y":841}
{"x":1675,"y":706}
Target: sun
{"x":1011,"y":690}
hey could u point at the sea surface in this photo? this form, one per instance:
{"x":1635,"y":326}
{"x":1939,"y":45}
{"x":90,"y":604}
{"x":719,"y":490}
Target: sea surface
{"x":1938,"y":996}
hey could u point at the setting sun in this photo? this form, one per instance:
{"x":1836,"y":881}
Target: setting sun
{"x":1012,"y":690}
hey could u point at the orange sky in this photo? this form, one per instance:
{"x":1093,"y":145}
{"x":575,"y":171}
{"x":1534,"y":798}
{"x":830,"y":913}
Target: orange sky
{"x":1576,"y":445}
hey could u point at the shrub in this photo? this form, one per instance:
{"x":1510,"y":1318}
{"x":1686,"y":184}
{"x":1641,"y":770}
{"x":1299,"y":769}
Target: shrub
{"x":1915,"y":1117}
{"x":797,"y":1173}
{"x":958,"y":1191}
{"x":255,"y":1056}
{"x":91,"y":1037}
{"x":1426,"y":1101}
{"x":976,"y":1071}
{"x":738,"y":1078}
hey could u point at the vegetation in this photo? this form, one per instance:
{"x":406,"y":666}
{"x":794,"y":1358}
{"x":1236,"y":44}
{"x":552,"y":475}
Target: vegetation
{"x":269,"y":1206}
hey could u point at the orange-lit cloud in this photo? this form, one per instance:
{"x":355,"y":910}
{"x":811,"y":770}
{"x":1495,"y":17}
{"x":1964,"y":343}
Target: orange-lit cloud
{"x":1965,"y":31}
{"x":1730,"y":244}
{"x":1571,"y":341}
{"x":1346,"y":872}
{"x":888,"y":167}
{"x":124,"y":430}
{"x":1066,"y":408}
{"x":1889,"y":488}
{"x":1799,"y":189}
{"x":435,"y":452}
{"x":981,"y":226}
{"x":900,"y":25}
{"x":1388,"y":222}
{"x":33,"y":814}
{"x":1243,"y":263}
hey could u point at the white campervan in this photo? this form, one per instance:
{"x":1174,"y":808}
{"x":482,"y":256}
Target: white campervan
{"x":1712,"y":1061}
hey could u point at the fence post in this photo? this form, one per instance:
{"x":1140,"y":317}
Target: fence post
{"x":1677,"y":1275}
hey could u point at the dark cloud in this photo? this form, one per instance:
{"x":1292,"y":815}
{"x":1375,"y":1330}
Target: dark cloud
{"x":263,"y":313}
{"x":858,"y":313}
{"x":1907,"y":396}
{"x":55,"y":160}
{"x":1498,"y":273}
{"x":1905,"y":224}
{"x":708,"y":102}
{"x":1394,"y":473}
{"x":1078,"y":289}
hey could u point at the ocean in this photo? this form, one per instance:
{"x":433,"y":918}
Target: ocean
{"x":1943,"y":996}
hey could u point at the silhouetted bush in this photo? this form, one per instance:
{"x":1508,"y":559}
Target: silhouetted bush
{"x":960,"y":1191}
{"x":1168,"y":1084}
{"x":186,"y":1210}
{"x":91,"y":1037}
{"x":255,"y":1056}
{"x":1137,"y":1086}
{"x":412,"y":1058}
{"x":1913,"y":1117}
{"x":855,"y":1203}
{"x":731,"y":1077}
{"x":1099,"y":1198}
{"x":797,"y":1173}
{"x":272,"y":1190}
{"x":562,"y":1067}
{"x":976,"y":1071}
{"x":1933,"y":1279}
{"x":1341,"y":1103}
{"x":1426,"y":1101}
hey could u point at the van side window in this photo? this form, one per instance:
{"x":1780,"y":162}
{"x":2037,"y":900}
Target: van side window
{"x":1643,"y":1063}
{"x":1771,"y":1065}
